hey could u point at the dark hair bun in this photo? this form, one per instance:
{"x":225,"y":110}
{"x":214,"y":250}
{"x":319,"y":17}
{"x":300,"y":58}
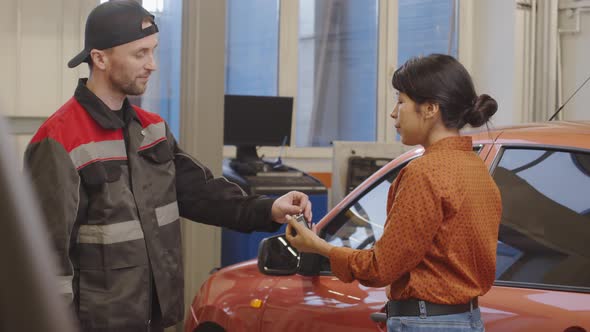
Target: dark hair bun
{"x":481,"y":112}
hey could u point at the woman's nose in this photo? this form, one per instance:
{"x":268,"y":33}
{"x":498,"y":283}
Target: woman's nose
{"x":394,"y":112}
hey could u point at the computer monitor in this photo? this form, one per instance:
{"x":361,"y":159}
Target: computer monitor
{"x":252,"y":121}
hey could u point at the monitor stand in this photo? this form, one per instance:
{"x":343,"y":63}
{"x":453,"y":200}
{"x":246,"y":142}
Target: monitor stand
{"x":247,"y":161}
{"x":247,"y":153}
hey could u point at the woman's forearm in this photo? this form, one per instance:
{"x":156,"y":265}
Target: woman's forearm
{"x":322,"y":247}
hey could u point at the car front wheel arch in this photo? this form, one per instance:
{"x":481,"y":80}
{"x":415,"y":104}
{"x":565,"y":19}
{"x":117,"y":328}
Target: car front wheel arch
{"x":209,"y":327}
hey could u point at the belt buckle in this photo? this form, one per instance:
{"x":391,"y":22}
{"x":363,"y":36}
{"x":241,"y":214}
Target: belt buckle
{"x":422,"y":308}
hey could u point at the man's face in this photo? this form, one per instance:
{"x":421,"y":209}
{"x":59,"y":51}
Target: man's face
{"x":131,"y":64}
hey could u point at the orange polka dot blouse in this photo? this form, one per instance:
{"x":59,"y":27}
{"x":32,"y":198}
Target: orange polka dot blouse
{"x":440,"y":237}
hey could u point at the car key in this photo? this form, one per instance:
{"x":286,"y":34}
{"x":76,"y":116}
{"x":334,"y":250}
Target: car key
{"x":300,"y":220}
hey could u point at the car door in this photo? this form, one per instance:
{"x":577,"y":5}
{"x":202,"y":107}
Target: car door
{"x":543,"y":256}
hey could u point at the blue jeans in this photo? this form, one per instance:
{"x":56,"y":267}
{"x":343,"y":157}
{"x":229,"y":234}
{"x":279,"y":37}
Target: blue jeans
{"x":467,"y":321}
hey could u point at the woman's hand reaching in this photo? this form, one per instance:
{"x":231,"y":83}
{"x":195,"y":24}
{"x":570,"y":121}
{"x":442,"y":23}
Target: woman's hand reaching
{"x":305,"y":239}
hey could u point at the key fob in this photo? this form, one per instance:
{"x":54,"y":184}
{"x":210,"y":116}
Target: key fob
{"x":300,"y":220}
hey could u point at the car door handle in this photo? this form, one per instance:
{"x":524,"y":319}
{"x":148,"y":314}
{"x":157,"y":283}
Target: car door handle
{"x":379,"y":317}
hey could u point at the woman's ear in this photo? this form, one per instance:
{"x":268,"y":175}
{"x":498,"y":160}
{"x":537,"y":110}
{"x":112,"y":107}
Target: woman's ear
{"x":430,"y":110}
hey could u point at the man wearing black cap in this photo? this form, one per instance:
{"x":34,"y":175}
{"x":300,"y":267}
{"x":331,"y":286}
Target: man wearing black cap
{"x":113,"y":183}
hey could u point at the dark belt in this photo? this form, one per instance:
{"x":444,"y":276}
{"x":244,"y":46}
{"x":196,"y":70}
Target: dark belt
{"x":414,"y":307}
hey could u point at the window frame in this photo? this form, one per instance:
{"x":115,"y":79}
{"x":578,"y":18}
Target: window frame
{"x":494,"y":164}
{"x":386,"y":64}
{"x":530,"y":146}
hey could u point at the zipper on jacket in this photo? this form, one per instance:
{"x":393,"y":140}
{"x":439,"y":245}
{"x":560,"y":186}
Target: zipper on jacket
{"x":150,"y":300}
{"x":151,"y":276}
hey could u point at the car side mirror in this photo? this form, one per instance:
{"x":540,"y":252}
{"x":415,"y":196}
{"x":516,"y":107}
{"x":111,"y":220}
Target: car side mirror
{"x":277,"y":257}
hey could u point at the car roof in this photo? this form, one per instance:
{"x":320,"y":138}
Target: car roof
{"x":574,"y":134}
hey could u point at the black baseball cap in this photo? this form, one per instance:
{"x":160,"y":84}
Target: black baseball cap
{"x":111,"y":24}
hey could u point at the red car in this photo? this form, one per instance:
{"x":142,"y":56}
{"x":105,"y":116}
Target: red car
{"x":543,"y":256}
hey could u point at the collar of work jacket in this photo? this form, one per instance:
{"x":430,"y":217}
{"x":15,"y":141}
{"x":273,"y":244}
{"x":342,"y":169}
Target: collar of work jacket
{"x":99,"y":111}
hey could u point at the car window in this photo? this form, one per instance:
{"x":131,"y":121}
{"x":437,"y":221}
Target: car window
{"x":546,"y":217}
{"x":361,"y":224}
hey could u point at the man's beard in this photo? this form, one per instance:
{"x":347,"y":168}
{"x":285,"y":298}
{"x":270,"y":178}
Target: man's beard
{"x":129,"y":87}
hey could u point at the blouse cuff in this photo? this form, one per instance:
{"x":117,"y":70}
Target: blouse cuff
{"x":339,"y":257}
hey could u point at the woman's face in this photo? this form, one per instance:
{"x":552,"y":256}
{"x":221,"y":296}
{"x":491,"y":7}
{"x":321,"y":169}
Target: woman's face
{"x":409,"y":120}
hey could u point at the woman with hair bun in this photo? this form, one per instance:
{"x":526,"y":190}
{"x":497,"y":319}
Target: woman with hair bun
{"x":437,"y":253}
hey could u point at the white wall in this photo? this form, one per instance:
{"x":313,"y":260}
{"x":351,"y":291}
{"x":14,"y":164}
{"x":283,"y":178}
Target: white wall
{"x":201,"y":117}
{"x":38,"y":38}
{"x":493,"y":55}
{"x":501,"y":46}
{"x":575,"y":59}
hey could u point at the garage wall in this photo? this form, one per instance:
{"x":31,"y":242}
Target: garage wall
{"x":38,"y":38}
{"x":494,"y":55}
{"x":201,"y":115}
{"x":574,"y":23}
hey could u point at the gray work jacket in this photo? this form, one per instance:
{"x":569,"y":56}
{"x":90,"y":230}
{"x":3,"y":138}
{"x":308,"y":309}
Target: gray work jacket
{"x":112,"y":190}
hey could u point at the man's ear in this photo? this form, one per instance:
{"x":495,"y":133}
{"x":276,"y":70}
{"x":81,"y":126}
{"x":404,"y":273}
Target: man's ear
{"x":99,"y":59}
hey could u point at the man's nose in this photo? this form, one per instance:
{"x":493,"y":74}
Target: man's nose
{"x":151,"y":65}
